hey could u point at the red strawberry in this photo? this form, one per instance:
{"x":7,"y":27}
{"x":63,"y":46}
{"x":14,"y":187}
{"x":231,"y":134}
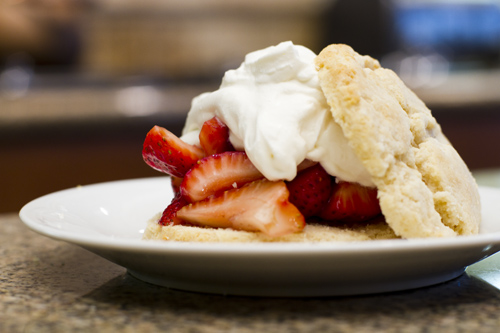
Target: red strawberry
{"x":169,"y":216}
{"x":214,"y":137}
{"x":216,"y":173}
{"x":351,"y":202}
{"x":310,"y":190}
{"x":167,"y":153}
{"x":258,"y":206}
{"x":176,"y":184}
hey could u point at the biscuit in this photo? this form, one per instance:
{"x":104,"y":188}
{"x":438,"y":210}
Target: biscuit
{"x":375,"y":229}
{"x":424,"y":187}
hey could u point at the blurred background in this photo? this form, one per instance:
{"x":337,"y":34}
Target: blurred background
{"x":82,"y":81}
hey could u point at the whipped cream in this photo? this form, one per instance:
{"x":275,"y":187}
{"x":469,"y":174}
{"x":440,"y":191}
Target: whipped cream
{"x":276,"y":112}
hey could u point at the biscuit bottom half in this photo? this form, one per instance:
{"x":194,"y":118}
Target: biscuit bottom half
{"x":313,"y":232}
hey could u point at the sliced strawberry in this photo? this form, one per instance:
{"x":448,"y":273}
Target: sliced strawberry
{"x":216,"y":173}
{"x":214,"y":137}
{"x":169,"y":216}
{"x":310,"y":190}
{"x":165,"y":152}
{"x":176,"y":184}
{"x":351,"y":202}
{"x":258,"y":206}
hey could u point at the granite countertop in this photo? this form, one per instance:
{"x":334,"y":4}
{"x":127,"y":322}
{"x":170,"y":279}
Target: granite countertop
{"x":52,"y":286}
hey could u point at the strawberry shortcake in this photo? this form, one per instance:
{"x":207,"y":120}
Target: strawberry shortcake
{"x":298,"y":147}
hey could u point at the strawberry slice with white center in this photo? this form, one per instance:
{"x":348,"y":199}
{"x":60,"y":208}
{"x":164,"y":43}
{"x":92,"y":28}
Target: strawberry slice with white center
{"x":217,"y":173}
{"x":351,"y":202}
{"x":165,"y":152}
{"x":258,"y":206}
{"x":214,"y":137}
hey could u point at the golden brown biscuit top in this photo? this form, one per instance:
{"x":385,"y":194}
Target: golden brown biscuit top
{"x":425,"y":188}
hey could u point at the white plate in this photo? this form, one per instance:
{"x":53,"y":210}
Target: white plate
{"x":108,"y":219}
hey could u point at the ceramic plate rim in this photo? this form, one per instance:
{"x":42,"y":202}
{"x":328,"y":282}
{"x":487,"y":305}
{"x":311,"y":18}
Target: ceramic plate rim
{"x":111,"y":243}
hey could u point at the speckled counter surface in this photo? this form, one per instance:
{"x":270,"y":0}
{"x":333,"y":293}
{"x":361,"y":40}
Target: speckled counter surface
{"x":52,"y":286}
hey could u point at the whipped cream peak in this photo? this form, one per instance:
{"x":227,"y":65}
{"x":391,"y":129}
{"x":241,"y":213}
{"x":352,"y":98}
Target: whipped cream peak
{"x":281,"y":63}
{"x":276,"y":112}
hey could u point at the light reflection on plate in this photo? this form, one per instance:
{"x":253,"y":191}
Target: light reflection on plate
{"x":109,"y":219}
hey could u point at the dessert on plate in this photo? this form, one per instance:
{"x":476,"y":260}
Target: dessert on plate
{"x":299,"y":147}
